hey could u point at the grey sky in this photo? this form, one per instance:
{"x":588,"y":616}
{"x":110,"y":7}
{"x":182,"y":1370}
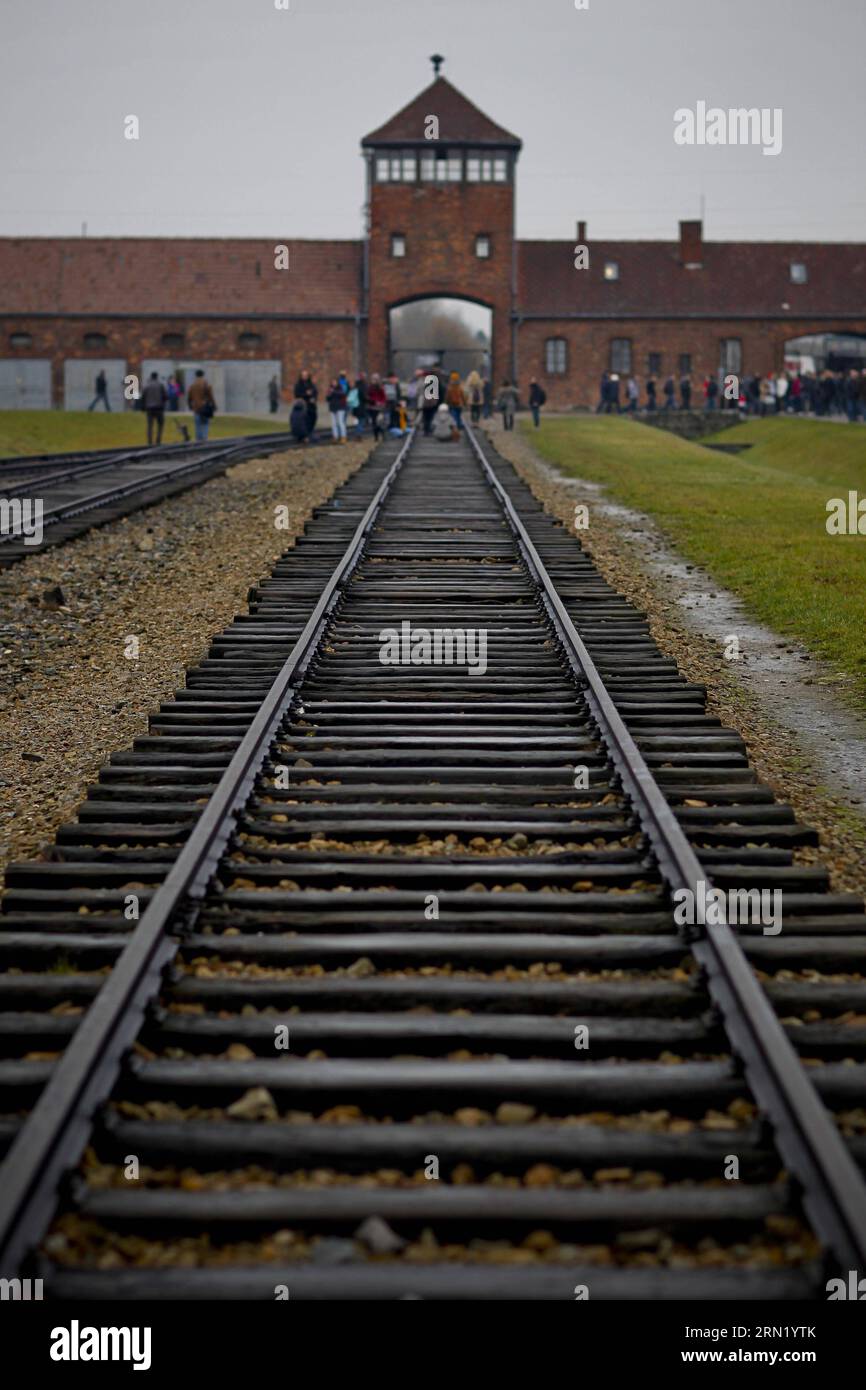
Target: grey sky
{"x":251,"y":117}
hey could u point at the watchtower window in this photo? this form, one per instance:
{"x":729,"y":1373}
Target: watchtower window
{"x":485,"y":168}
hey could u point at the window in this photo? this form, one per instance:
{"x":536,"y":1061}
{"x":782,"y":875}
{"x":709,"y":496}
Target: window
{"x":428,"y":167}
{"x":449,"y":170}
{"x":398,"y":244}
{"x":555,"y":356}
{"x":394,"y":168}
{"x":620,"y":354}
{"x":20,"y":340}
{"x":685,"y":363}
{"x":485,"y":168}
{"x":654,"y":363}
{"x":731,"y":355}
{"x":482,"y":246}
{"x":95,"y":340}
{"x":249,"y":340}
{"x":175,"y":341}
{"x":611,"y":270}
{"x":799,"y":273}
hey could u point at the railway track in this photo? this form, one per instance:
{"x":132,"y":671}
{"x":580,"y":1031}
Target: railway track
{"x":405,"y":1011}
{"x":87,"y":489}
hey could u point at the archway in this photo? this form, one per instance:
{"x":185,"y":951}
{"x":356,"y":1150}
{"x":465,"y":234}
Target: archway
{"x":819,"y":352}
{"x":455,"y":335}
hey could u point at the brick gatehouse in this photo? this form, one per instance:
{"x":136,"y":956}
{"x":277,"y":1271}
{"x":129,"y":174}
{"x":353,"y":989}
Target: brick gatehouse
{"x":439,"y":222}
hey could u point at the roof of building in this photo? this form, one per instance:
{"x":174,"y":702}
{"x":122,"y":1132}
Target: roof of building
{"x":734,"y":279}
{"x":460,"y":122}
{"x":177,"y":275}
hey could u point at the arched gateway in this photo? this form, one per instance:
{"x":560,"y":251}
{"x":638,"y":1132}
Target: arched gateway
{"x":454,"y":334}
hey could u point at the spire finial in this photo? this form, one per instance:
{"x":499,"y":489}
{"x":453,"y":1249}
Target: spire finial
{"x":437,"y":60}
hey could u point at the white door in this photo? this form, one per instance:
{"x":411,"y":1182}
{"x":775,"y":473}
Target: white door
{"x":25,"y":383}
{"x":79,"y":378}
{"x":247,"y":386}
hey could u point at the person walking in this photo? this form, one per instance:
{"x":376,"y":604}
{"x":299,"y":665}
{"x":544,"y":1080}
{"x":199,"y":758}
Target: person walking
{"x":391,"y":387}
{"x":651,"y":394}
{"x":686,"y":391}
{"x":428,"y":399}
{"x":174,"y":391}
{"x":711,"y":392}
{"x":274,"y":395}
{"x":603,"y":394}
{"x":101,"y":388}
{"x":359,"y":409}
{"x":486,"y":397}
{"x":307,"y":390}
{"x":613,"y":394}
{"x":456,"y":402}
{"x":153,"y":399}
{"x":507,"y":403}
{"x":632,"y":392}
{"x":376,"y":403}
{"x":781,"y":393}
{"x":537,"y":398}
{"x":200,"y":399}
{"x":337,"y":406}
{"x":670,"y":394}
{"x":473,"y":390}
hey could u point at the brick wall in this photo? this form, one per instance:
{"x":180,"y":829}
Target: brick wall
{"x":440,"y":223}
{"x":324,"y":346}
{"x":589,"y":347}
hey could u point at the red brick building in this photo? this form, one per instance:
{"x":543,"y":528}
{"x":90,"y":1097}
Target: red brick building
{"x":440,"y":223}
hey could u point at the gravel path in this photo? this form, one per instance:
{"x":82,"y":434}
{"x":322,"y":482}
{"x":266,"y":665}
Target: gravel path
{"x":173,"y":576}
{"x":780,"y":758}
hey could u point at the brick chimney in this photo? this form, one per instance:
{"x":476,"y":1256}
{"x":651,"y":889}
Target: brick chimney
{"x":691,"y":244}
{"x":581,"y":233}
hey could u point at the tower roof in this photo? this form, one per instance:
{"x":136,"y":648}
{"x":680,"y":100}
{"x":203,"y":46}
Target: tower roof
{"x":460,"y":122}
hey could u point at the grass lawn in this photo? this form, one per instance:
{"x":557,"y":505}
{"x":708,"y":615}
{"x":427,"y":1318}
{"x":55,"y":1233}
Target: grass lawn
{"x":755,"y":521}
{"x":65,"y":431}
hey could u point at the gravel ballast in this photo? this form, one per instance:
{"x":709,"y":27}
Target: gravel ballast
{"x":776,"y":754}
{"x":173,"y":576}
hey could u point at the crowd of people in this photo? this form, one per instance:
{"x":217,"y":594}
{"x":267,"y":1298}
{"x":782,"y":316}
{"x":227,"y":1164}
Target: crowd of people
{"x":434,"y":399}
{"x":787,"y":392}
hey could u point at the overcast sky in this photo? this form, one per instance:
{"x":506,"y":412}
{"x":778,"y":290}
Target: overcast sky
{"x":251,"y":117}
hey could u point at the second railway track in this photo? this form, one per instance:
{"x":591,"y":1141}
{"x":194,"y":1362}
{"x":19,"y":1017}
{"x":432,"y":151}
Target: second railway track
{"x":79,"y":491}
{"x":406,"y":1012}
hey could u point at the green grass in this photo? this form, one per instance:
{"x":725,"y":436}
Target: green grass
{"x":65,"y":431}
{"x":755,"y":521}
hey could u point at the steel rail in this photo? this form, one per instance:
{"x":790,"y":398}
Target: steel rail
{"x":833,"y":1190}
{"x":92,"y":461}
{"x":55,"y":1133}
{"x":209,"y":465}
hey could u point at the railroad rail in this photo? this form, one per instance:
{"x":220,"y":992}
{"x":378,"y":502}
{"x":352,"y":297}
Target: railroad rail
{"x":406,"y":1011}
{"x":90,"y":488}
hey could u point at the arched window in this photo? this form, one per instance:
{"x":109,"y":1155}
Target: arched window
{"x":250,"y":340}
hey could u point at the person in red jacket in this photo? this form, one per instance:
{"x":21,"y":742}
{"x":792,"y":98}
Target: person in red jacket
{"x":376,"y":403}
